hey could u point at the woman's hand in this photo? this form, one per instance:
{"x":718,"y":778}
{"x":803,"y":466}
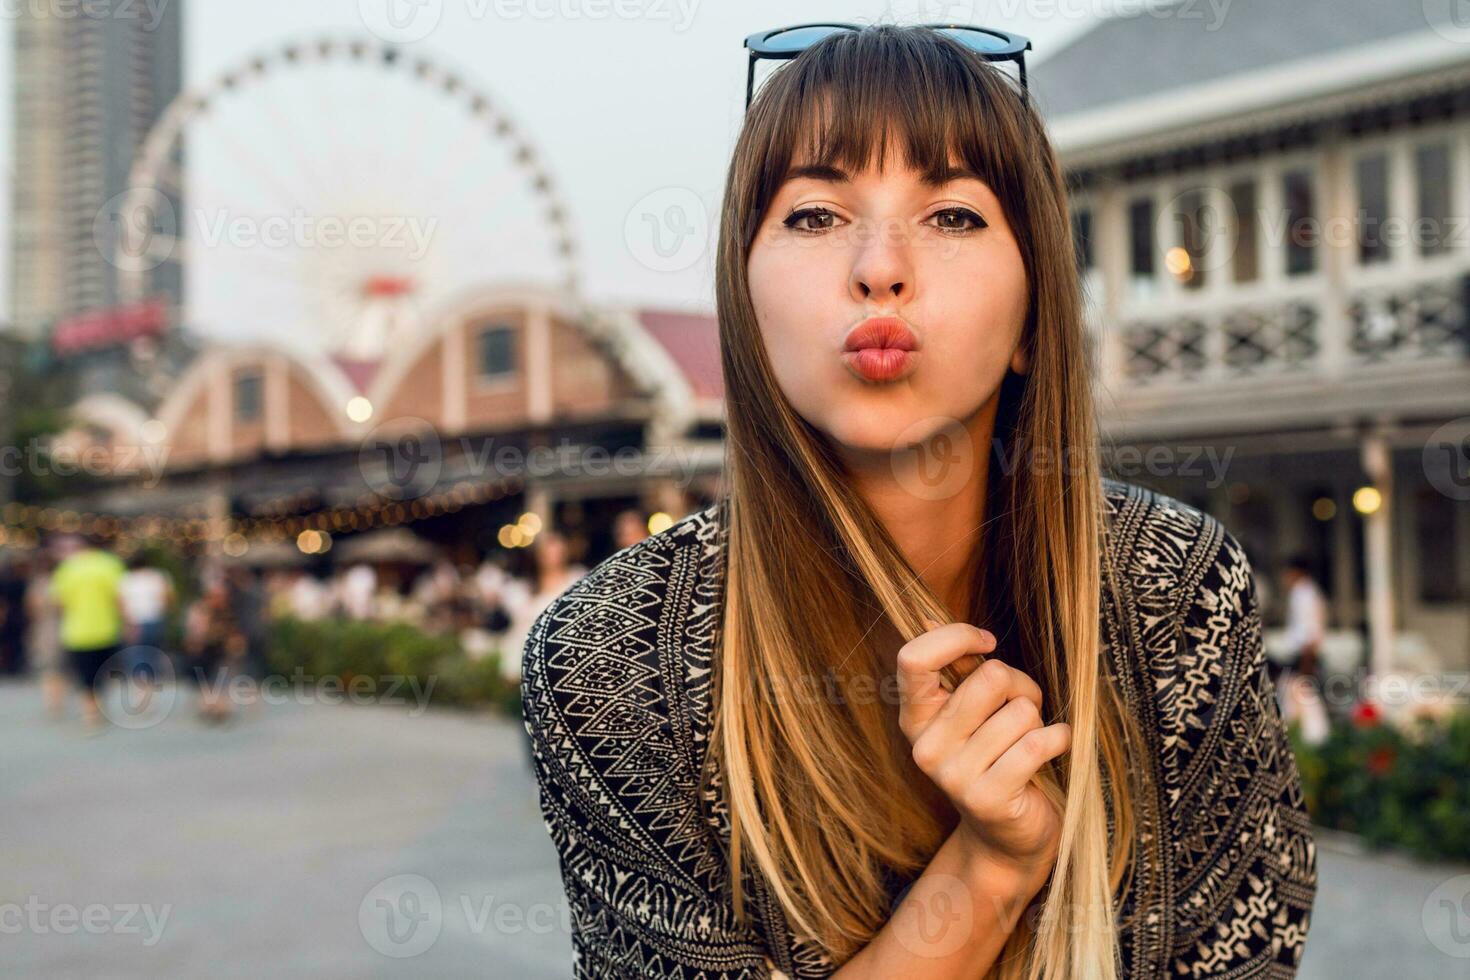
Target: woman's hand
{"x":981,"y":744}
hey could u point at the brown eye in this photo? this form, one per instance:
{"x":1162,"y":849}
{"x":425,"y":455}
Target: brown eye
{"x":816,"y":214}
{"x":954,"y":219}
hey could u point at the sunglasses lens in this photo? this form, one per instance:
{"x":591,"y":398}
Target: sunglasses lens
{"x":979,"y":40}
{"x":799,"y":39}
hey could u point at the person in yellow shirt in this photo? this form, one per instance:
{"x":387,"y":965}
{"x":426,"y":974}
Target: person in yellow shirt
{"x":86,"y":587}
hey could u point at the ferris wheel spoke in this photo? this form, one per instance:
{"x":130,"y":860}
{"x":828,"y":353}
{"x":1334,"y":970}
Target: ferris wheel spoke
{"x":330,"y":146}
{"x":352,"y":175}
{"x":415,"y":141}
{"x":459,"y":157}
{"x":505,"y":197}
{"x":248,"y":161}
{"x":319,"y":188}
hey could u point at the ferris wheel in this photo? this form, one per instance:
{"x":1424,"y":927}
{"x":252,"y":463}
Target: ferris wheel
{"x":328,"y":193}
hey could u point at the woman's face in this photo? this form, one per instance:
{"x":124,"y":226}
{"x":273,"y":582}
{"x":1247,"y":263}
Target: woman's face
{"x":835,"y":250}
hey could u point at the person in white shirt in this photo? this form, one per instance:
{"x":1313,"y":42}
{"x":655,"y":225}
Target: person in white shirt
{"x":1306,"y":619}
{"x":147,"y":594}
{"x":357,"y":588}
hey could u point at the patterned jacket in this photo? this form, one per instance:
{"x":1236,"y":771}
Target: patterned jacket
{"x":616,"y":692}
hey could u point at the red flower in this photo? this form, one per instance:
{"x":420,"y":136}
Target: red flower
{"x":1365,"y":714}
{"x":1380,"y":761}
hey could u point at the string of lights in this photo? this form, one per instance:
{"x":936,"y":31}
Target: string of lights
{"x":24,"y":525}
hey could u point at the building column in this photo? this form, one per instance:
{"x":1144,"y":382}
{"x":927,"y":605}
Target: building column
{"x":217,"y":509}
{"x":277,"y":397}
{"x":220,"y":410}
{"x":539,"y":399}
{"x":452,"y":372}
{"x":1110,"y":252}
{"x":1378,"y":553}
{"x":1339,"y":203}
{"x":1344,"y":581}
{"x":539,"y":502}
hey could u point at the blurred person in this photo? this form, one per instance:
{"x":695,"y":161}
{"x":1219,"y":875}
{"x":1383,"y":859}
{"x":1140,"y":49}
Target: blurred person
{"x":1295,"y":670}
{"x":147,"y":596}
{"x":629,"y":527}
{"x":309,"y":598}
{"x":356,"y":589}
{"x":15,"y":574}
{"x":87,"y":586}
{"x":1306,"y":620}
{"x":278,"y":593}
{"x":214,"y":642}
{"x":43,"y":643}
{"x":436,"y":591}
{"x":496,"y":590}
{"x":249,"y":605}
{"x":553,"y":574}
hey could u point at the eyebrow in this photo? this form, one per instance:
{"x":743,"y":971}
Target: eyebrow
{"x":930,"y":178}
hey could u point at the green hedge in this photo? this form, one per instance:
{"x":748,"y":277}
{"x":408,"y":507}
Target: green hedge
{"x":1405,"y":788}
{"x":347,"y":649}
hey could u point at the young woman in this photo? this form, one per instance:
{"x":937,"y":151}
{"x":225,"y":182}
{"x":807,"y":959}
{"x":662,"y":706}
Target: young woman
{"x":759,"y":751}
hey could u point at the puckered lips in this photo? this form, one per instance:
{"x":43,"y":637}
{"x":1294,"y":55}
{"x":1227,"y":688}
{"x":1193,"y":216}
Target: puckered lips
{"x":880,"y":349}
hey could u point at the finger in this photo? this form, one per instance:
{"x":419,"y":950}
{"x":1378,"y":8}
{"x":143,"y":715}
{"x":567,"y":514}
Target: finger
{"x":1031,"y":751}
{"x":995,"y":737}
{"x":980,"y":696}
{"x":918,"y":665}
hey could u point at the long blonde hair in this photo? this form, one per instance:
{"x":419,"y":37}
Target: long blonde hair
{"x":817,"y":797}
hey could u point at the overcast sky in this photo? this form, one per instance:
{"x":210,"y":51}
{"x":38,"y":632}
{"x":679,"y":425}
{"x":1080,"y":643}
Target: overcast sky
{"x":634,"y":114}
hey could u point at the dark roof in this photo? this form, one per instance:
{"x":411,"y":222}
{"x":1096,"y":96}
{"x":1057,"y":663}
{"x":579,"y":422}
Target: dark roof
{"x":1137,"y":55}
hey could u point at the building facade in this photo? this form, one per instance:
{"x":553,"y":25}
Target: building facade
{"x":1271,"y":215}
{"x":509,"y":400}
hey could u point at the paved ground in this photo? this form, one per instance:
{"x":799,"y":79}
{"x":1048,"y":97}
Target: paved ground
{"x":331,"y":840}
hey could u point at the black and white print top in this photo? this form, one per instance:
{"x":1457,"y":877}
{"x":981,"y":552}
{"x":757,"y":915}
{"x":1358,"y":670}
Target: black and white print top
{"x":616,"y":693}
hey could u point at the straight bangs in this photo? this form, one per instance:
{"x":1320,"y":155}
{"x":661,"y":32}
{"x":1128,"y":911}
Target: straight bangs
{"x":862,"y":97}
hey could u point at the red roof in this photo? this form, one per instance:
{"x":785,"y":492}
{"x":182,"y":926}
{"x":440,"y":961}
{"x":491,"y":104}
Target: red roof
{"x":693,"y":341}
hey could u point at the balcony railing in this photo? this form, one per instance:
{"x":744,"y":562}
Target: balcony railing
{"x":1297,"y":332}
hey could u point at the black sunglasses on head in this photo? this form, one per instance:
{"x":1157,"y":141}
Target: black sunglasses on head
{"x":785,"y":43}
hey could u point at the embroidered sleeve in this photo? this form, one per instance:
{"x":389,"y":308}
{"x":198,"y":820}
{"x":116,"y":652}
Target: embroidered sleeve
{"x":641,"y":888}
{"x":1242,"y":841}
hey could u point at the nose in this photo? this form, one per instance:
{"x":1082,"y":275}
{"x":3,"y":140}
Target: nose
{"x":883,"y":268}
